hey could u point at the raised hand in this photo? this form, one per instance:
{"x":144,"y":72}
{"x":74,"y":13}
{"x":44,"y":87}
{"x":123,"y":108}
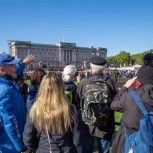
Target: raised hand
{"x":130,"y":82}
{"x":28,"y":59}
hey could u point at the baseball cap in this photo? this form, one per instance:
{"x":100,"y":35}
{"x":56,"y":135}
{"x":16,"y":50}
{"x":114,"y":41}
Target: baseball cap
{"x":8,"y":59}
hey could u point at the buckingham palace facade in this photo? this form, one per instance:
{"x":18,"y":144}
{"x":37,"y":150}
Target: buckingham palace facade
{"x":55,"y":56}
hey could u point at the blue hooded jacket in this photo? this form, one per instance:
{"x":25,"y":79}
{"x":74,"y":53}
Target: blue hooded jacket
{"x":12,"y":117}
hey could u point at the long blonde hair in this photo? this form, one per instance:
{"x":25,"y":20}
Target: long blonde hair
{"x":51,"y":107}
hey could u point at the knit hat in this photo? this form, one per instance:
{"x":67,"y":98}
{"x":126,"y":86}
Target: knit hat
{"x":69,"y":72}
{"x":148,"y":59}
{"x":145,"y":73}
{"x":98,"y":60}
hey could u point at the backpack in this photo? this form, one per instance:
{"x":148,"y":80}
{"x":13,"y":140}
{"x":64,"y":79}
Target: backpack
{"x":142,"y":140}
{"x":69,"y":95}
{"x":95,"y":109}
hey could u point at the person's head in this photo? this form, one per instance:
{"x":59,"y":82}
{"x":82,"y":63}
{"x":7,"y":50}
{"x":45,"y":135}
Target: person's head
{"x":145,"y":73}
{"x":8,"y":65}
{"x":51,"y":107}
{"x":148,"y":59}
{"x":37,"y":76}
{"x":97,"y":64}
{"x":69,"y":72}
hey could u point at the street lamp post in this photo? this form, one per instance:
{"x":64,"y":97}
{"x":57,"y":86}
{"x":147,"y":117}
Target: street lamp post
{"x":40,"y":64}
{"x":85,"y":64}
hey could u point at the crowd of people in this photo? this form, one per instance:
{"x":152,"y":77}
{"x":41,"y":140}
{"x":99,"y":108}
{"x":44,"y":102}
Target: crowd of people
{"x":51,"y":113}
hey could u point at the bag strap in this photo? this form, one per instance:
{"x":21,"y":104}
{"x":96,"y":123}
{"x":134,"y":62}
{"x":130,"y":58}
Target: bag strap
{"x":102,"y":78}
{"x":48,"y":139}
{"x":138,"y":102}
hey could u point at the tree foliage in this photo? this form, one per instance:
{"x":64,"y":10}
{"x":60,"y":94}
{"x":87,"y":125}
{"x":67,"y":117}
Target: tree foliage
{"x":124,"y":58}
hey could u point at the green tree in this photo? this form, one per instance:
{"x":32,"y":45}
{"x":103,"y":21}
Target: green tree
{"x":137,"y":58}
{"x":123,"y":58}
{"x":111,"y":60}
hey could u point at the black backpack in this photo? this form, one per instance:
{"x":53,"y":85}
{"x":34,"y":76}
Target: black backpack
{"x":95,"y":100}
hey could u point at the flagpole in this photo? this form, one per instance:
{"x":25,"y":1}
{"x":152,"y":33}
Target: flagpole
{"x":63,"y":37}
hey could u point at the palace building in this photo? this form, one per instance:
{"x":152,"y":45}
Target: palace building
{"x":55,"y":56}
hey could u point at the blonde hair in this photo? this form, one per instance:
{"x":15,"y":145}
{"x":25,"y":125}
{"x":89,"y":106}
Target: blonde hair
{"x":51,"y":107}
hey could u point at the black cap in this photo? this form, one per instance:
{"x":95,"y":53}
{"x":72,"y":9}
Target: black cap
{"x":97,"y":60}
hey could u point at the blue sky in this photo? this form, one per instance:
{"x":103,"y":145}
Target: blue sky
{"x":118,"y":25}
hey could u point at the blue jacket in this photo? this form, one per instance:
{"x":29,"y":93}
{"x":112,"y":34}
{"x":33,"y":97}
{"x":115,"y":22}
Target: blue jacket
{"x":31,"y":96}
{"x":12,"y":117}
{"x":19,"y":72}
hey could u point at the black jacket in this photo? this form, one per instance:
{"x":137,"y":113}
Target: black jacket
{"x":124,"y":102}
{"x":60,"y":143}
{"x":105,"y":132}
{"x":70,"y":86}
